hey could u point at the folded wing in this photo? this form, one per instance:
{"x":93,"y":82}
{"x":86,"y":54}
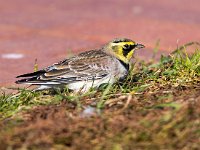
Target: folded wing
{"x":89,"y":65}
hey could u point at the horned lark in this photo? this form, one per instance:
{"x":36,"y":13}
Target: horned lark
{"x":107,"y":64}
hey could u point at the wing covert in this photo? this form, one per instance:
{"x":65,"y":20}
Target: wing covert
{"x":89,"y":65}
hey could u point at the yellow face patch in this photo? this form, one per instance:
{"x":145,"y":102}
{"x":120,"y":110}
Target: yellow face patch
{"x":123,"y":50}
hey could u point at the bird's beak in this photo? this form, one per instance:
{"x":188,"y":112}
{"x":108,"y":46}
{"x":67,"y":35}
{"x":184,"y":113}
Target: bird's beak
{"x":139,"y":46}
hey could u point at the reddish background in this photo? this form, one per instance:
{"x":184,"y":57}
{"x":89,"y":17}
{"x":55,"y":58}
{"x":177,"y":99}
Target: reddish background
{"x":48,"y":30}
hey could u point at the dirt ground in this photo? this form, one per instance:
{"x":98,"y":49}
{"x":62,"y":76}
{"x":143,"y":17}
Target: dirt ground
{"x":137,"y":122}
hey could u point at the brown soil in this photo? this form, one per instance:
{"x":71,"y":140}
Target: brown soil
{"x":133,"y":122}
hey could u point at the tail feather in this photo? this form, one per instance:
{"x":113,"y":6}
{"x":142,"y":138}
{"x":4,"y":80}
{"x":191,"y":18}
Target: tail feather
{"x":26,"y":80}
{"x":33,"y":74}
{"x":30,"y":77}
{"x":36,"y":81}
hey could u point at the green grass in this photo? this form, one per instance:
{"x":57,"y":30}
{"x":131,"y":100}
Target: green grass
{"x":175,"y":70}
{"x":160,"y":98}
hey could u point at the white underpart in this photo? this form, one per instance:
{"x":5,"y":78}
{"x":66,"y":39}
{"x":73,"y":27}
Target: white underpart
{"x":43,"y":87}
{"x":84,"y":86}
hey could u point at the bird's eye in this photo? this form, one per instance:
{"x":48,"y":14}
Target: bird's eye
{"x":126,"y":46}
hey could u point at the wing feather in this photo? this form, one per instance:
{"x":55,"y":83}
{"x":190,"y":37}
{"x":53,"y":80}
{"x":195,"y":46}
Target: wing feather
{"x":89,"y":65}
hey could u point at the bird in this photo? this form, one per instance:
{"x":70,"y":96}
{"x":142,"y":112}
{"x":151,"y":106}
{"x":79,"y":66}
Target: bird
{"x":89,"y":69}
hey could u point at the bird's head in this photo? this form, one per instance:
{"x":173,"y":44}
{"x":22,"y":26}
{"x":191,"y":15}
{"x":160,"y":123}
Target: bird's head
{"x":123,"y":48}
